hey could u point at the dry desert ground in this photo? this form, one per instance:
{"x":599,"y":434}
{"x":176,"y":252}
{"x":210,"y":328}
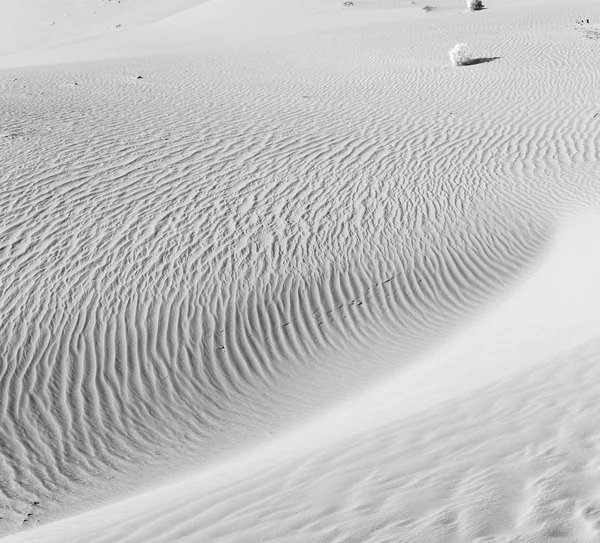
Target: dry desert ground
{"x":279,"y":271}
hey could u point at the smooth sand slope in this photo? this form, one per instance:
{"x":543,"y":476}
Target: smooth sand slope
{"x":279,"y":272}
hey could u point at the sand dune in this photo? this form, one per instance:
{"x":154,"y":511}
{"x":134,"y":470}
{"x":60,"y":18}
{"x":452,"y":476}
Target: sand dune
{"x":519,"y":455}
{"x":279,"y":272}
{"x":39,"y":24}
{"x":473,"y":469}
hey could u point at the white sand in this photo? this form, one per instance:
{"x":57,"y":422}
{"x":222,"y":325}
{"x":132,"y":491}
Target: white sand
{"x":277,"y":271}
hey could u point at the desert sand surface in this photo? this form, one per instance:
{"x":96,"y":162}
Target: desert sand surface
{"x":278,"y":271}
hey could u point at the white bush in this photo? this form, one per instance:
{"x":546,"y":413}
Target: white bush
{"x":460,"y":55}
{"x":475,"y":5}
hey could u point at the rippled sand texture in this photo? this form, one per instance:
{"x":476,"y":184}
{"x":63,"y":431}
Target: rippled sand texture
{"x":203,"y":250}
{"x":517,"y":461}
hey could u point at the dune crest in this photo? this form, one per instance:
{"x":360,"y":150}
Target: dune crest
{"x":39,"y":24}
{"x":249,"y":252}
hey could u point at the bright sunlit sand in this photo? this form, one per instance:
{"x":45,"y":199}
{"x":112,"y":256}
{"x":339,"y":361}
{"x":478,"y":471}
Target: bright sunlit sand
{"x":281,"y":271}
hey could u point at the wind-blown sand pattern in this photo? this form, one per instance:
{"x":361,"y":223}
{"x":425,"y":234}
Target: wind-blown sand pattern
{"x":278,"y":272}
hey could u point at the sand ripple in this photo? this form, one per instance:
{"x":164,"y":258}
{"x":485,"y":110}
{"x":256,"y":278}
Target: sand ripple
{"x":193,"y":259}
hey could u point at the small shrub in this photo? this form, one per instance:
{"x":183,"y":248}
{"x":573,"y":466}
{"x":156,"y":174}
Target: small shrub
{"x":475,"y":5}
{"x":460,"y":55}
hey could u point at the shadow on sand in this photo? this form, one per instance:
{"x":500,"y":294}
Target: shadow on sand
{"x":481,"y":60}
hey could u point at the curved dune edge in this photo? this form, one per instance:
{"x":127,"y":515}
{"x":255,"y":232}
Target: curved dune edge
{"x":514,"y":456}
{"x":209,"y":239}
{"x":36,"y":25}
